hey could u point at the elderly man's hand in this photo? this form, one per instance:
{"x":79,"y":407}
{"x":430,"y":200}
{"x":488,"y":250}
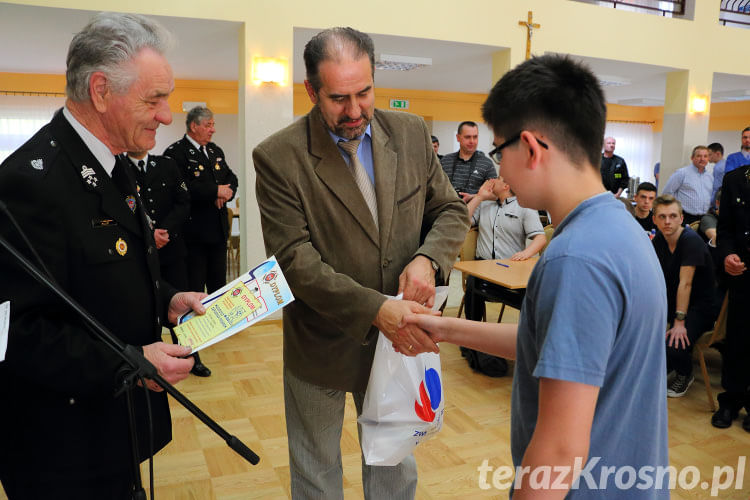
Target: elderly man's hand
{"x":733,"y":265}
{"x":183,"y":302}
{"x":161,"y":237}
{"x":417,"y":281}
{"x":408,"y":339}
{"x":167,"y":358}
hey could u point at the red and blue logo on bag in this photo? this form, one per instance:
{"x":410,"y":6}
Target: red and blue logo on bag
{"x":430,"y":394}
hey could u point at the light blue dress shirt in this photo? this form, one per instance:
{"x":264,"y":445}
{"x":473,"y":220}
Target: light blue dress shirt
{"x":692,"y":188}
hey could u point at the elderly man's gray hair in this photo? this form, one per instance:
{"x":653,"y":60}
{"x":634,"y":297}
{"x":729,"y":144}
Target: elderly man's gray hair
{"x":107,"y":43}
{"x":197,"y":115}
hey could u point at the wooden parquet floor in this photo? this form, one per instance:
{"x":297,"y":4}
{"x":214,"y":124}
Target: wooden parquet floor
{"x":245,"y":395}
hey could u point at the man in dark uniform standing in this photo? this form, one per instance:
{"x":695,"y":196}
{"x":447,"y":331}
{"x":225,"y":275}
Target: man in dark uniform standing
{"x":615,"y":175}
{"x":733,"y":241}
{"x":211,"y":184}
{"x":166,"y":200}
{"x":64,"y":435}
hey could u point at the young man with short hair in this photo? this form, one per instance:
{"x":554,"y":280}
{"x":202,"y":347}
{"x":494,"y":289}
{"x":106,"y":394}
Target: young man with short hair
{"x":590,"y":374}
{"x":689,"y":275}
{"x":644,"y":198}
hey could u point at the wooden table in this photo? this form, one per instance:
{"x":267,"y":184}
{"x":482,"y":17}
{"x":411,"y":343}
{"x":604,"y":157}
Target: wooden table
{"x":513,"y":277}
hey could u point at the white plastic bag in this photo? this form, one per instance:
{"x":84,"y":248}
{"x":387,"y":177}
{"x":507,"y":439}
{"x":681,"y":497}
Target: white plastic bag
{"x":404,"y":401}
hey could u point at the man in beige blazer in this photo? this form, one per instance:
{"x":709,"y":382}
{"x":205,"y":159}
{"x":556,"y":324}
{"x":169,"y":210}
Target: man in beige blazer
{"x":341,"y":253}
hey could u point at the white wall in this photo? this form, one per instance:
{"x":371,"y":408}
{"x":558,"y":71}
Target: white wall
{"x":730,"y":139}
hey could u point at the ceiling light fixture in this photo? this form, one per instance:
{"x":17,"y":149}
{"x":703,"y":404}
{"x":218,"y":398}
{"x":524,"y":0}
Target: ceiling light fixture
{"x":612,"y":81}
{"x":401,"y":63}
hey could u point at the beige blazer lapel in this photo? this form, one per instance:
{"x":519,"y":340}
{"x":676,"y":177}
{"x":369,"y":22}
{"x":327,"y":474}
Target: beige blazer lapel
{"x":334,"y":173}
{"x":385,"y":164}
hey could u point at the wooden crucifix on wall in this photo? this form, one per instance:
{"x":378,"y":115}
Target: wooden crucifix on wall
{"x":530,"y":27}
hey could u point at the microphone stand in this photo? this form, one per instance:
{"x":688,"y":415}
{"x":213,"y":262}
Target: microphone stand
{"x":139,"y":368}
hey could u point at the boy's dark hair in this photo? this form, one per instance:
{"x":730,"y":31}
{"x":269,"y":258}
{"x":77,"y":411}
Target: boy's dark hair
{"x":715,"y":146}
{"x":645,"y":186}
{"x":556,"y":95}
{"x":468,"y":123}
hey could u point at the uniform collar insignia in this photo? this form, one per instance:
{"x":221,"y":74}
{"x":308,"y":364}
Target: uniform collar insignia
{"x":89,"y":175}
{"x":37,"y":164}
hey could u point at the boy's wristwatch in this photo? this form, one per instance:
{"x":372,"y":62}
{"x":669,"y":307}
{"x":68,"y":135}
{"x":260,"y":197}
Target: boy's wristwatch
{"x":680,"y":316}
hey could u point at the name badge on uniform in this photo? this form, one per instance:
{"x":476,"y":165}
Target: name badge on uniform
{"x":102,"y":223}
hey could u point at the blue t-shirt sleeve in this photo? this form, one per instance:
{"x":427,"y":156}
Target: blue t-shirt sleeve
{"x":577,"y":313}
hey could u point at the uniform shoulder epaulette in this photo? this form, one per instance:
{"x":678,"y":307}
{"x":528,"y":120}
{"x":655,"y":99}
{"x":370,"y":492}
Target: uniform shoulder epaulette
{"x":36,"y":156}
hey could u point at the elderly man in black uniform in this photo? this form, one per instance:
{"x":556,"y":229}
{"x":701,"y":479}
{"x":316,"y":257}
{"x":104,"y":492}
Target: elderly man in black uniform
{"x":167,"y":202}
{"x":211,"y":184}
{"x":733,"y":241}
{"x":63,"y":433}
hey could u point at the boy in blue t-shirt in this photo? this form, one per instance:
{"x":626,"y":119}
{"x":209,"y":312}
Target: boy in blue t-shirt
{"x":588,"y":411}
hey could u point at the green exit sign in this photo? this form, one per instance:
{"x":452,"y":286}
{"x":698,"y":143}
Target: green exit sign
{"x":399,"y":104}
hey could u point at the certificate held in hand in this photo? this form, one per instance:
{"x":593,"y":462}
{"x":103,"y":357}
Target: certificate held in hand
{"x":233,"y":306}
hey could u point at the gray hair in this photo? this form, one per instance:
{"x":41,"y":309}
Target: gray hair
{"x":107,"y":43}
{"x":331,"y":45}
{"x":197,"y":115}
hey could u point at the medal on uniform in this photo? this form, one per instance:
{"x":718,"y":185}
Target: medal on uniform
{"x":121,"y":246}
{"x":130,"y":200}
{"x":196,"y":173}
{"x":200,"y":167}
{"x":217,"y":167}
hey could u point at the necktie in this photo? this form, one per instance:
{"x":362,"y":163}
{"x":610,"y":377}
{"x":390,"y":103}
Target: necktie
{"x":360,"y":177}
{"x":203,"y":150}
{"x":142,"y":166}
{"x":120,"y":178}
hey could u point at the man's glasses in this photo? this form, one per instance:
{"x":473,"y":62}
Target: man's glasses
{"x":497,"y":153}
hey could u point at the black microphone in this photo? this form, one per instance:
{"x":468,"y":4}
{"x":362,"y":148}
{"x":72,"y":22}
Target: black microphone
{"x":141,"y":367}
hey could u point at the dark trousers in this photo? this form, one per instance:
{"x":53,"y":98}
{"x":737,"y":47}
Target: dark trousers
{"x":40,"y":487}
{"x":690,"y":218}
{"x":696,"y":322}
{"x":479,"y":291}
{"x":207,"y":266}
{"x":174,"y":272}
{"x":735,"y":368}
